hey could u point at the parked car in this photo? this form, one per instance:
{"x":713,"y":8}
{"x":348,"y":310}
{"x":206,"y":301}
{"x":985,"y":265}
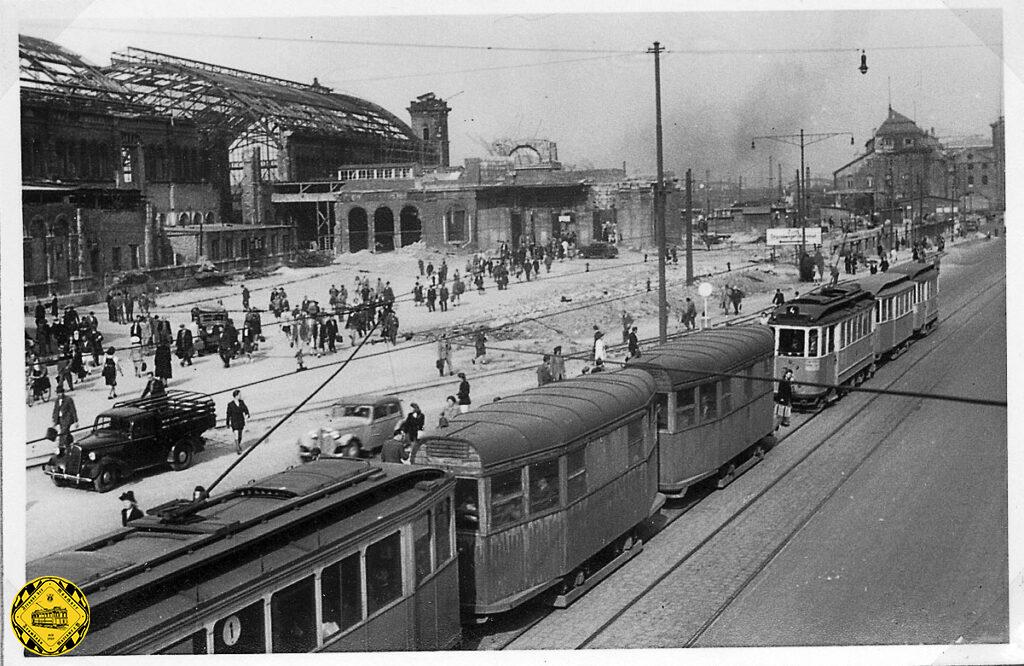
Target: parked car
{"x":134,"y":435}
{"x":599,"y":250}
{"x":356,"y":428}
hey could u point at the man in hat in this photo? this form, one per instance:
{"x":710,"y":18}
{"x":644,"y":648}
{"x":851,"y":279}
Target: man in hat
{"x":65,"y":416}
{"x":184,"y":345}
{"x":131,"y":510}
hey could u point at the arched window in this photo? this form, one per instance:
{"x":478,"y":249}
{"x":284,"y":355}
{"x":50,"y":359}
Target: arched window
{"x":183,"y":219}
{"x":426,"y":134}
{"x":197,"y":218}
{"x":208,"y":219}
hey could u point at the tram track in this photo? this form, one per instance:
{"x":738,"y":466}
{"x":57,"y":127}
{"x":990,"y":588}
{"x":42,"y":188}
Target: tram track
{"x":673,"y":513}
{"x":785,"y":474}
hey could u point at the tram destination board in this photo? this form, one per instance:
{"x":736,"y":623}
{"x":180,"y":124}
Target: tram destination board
{"x":793,"y":236}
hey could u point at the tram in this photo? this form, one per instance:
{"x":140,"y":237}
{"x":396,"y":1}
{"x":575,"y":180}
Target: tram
{"x":926,"y":294}
{"x":708,"y":424}
{"x":552,"y":484}
{"x":332,"y":555}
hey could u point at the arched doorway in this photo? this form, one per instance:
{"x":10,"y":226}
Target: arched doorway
{"x":358,"y":230}
{"x":410,"y":225}
{"x":383,"y":229}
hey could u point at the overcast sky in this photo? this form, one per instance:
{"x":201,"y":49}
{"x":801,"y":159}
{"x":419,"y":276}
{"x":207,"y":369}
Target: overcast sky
{"x":772,"y":72}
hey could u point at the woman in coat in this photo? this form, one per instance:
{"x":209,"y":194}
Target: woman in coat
{"x":784,"y":398}
{"x":162,"y":362}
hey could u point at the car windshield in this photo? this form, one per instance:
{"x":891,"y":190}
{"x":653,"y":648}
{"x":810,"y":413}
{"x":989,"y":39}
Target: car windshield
{"x":359,"y":411}
{"x":115,"y":423}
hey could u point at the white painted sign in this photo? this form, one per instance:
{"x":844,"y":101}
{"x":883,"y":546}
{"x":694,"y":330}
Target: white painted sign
{"x":705,"y":289}
{"x":793,"y":236}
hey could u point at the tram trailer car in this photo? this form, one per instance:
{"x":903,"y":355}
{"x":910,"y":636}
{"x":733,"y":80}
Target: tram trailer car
{"x":332,"y":555}
{"x":926,"y":294}
{"x":711,"y":425}
{"x":551,"y":487}
{"x":893,"y":320}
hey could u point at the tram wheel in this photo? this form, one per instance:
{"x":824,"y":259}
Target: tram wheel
{"x":579,"y":578}
{"x":759,"y":452}
{"x":726,"y":475}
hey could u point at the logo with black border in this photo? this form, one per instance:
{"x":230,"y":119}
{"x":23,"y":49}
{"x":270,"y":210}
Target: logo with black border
{"x":50,"y":616}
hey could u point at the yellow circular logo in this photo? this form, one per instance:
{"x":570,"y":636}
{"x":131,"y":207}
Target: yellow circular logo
{"x":50,"y":616}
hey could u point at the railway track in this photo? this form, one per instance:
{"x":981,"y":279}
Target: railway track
{"x":502,"y":637}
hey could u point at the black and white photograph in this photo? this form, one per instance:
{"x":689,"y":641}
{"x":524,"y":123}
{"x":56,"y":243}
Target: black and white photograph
{"x":513,"y":326}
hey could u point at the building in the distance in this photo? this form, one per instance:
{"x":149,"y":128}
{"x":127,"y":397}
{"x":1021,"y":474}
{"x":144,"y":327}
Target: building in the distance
{"x":905,"y":172}
{"x":155,"y":163}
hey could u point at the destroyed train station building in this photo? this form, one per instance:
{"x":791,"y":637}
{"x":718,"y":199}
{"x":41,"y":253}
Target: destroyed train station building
{"x":156,"y":163}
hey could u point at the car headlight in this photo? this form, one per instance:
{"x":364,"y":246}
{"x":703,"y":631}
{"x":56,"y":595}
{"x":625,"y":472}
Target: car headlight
{"x":57,"y":451}
{"x":92,"y":456}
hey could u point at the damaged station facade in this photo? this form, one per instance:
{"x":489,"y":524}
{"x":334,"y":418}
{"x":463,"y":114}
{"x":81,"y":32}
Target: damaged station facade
{"x":157,"y":163}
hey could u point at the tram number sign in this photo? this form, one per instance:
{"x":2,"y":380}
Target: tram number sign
{"x":232,"y":630}
{"x":793,"y":236}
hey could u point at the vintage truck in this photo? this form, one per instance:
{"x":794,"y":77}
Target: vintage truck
{"x":135,"y":435}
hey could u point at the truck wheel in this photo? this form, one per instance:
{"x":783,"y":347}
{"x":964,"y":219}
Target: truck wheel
{"x":60,"y":483}
{"x":106,"y":479}
{"x":353,"y":449}
{"x":181,"y":457}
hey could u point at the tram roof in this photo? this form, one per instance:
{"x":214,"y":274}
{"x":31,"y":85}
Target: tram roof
{"x":546,"y":417}
{"x":916,"y":271}
{"x":153,"y":547}
{"x":884,"y":284}
{"x":701,"y":355}
{"x":821,"y":305}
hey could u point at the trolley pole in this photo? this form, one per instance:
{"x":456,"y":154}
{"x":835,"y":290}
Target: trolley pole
{"x":659,"y":202}
{"x":800,"y":209}
{"x":689,"y":227}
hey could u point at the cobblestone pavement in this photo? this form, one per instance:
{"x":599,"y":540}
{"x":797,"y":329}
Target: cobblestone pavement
{"x":688,"y":596}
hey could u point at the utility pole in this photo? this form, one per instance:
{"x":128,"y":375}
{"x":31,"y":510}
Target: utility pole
{"x":802,"y":140}
{"x":779,"y":165}
{"x":771,"y":189}
{"x":689,"y":227}
{"x":659,"y":202}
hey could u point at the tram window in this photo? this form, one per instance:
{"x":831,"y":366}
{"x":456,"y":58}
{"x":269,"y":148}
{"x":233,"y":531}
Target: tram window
{"x":241,"y":632}
{"x":194,"y":644}
{"x":708,"y":402}
{"x":467,"y":504}
{"x":293,"y":618}
{"x":726,"y":395}
{"x":543,"y":486}
{"x":576,"y":466}
{"x":831,"y":339}
{"x":791,"y":342}
{"x":383,"y":572}
{"x":812,"y":342}
{"x":443,"y":532}
{"x":506,"y":498}
{"x":662,"y":410}
{"x":341,"y":595}
{"x":686,"y":407}
{"x":421,"y":547}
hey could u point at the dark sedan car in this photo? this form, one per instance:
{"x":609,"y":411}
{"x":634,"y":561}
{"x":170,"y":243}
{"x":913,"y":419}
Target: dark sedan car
{"x":599,"y":251}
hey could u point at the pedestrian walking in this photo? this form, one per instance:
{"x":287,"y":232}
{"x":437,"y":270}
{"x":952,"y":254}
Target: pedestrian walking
{"x":431,"y":298}
{"x":111,"y":369}
{"x":162,"y":362}
{"x":420,"y":262}
{"x":633,"y":343}
{"x":481,"y":347}
{"x":463,"y":394}
{"x":237,"y":413}
{"x":690,"y":315}
{"x":449,"y":412}
{"x":154,"y":387}
{"x":443,"y":297}
{"x":557,"y":364}
{"x":414,"y":422}
{"x":65,"y":417}
{"x":778,"y":299}
{"x":64,"y":375}
{"x":544,"y":371}
{"x":835,"y":275}
{"x":444,"y":355}
{"x":600,"y":347}
{"x":184,"y":346}
{"x":784,"y":397}
{"x":737,"y":299}
{"x":627,"y":322}
{"x":245,"y":297}
{"x":726,"y":297}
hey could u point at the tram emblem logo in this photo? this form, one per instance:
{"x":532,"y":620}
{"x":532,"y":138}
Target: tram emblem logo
{"x":50,"y":616}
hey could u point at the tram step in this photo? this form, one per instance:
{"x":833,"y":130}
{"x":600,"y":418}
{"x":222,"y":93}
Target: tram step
{"x":564,"y":600}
